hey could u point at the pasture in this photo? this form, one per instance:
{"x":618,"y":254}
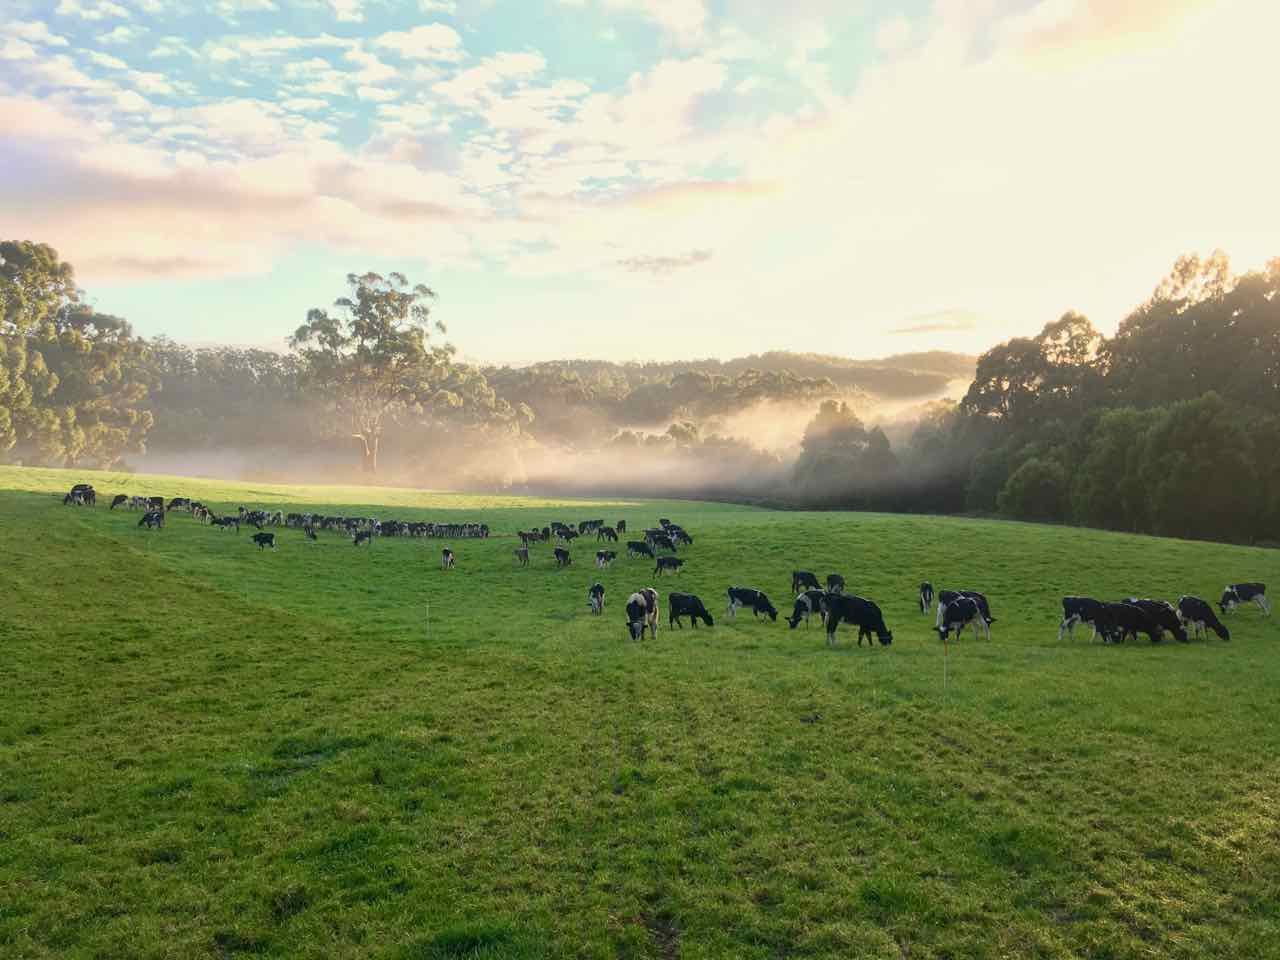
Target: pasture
{"x":207,"y":750}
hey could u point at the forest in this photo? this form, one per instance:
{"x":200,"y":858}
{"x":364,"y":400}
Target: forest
{"x":1171,"y":426}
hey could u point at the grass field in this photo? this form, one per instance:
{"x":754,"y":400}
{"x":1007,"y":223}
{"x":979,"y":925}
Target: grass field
{"x":208,"y":751}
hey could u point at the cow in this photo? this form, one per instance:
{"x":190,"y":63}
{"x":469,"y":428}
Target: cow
{"x":605,"y":557}
{"x":956,"y":615}
{"x":638,"y":548}
{"x":663,"y":541}
{"x":807,"y":604}
{"x":446,"y":559}
{"x":757,"y":601}
{"x":835,"y":583}
{"x":1164,"y":615}
{"x":672,"y":564}
{"x":522,"y":556}
{"x":155,"y":503}
{"x":1238,"y":593}
{"x":946,"y":597}
{"x":856,"y":610}
{"x":607,"y":533}
{"x":566,"y":534}
{"x":1081,"y":610}
{"x":595,"y":598}
{"x":642,"y":611}
{"x":362,"y":536}
{"x":82,"y":495}
{"x":926,"y":596}
{"x":1127,"y":619}
{"x":118,"y":499}
{"x":664,"y":522}
{"x":802,"y":580}
{"x":621,"y":526}
{"x":309,"y":532}
{"x":1198,"y":614}
{"x":226,"y":523}
{"x":179,"y":503}
{"x":137,"y":503}
{"x":264,"y":540}
{"x":562,"y":557}
{"x":687,"y":605}
{"x":152,"y":519}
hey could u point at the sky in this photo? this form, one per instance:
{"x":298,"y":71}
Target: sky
{"x":641,"y":179}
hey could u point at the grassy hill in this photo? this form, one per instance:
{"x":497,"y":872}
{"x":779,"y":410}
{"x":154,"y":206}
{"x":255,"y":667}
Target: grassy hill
{"x":210,"y":751}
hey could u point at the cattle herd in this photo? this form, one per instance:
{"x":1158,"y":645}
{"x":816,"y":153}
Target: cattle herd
{"x":954,"y":610}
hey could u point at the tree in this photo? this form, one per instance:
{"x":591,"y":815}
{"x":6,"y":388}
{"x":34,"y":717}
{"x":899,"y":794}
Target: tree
{"x":1036,"y":491}
{"x":372,"y":358}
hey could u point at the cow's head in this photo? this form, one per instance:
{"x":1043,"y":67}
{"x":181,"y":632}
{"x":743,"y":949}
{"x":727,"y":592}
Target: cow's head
{"x":636,"y":629}
{"x":764,"y":606}
{"x":1229,"y":599}
{"x":884,"y":636}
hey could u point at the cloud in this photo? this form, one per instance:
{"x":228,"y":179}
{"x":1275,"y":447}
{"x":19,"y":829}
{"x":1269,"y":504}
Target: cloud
{"x":433,"y":41}
{"x":682,"y":20}
{"x":940,"y":321}
{"x":106,"y":60}
{"x":121,"y":34}
{"x":662,"y":265}
{"x":449,"y":7}
{"x":347,"y":11}
{"x":14,"y":49}
{"x":34,"y":31}
{"x":172,"y":47}
{"x":92,"y":9}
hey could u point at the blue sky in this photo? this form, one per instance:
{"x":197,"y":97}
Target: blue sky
{"x":638,"y":178}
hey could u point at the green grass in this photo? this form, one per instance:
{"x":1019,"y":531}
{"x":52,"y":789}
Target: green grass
{"x":211,"y":751}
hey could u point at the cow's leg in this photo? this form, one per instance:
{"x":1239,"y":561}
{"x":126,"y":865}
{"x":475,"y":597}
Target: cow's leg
{"x":1261,"y":601}
{"x":942,"y":609}
{"x":1065,"y":625}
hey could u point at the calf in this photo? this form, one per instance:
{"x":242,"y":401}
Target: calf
{"x":802,"y":580}
{"x":687,"y":605}
{"x":152,"y":519}
{"x":118,"y":499}
{"x":562,"y":557}
{"x":1239,"y":593}
{"x":522,"y":556}
{"x":642,"y":611}
{"x":807,"y":604}
{"x":605,"y":557}
{"x":864,"y":613}
{"x":926,"y":596}
{"x":362,"y":536}
{"x":264,"y":540}
{"x":446,"y":559}
{"x":595,"y":598}
{"x":1081,"y":610}
{"x":1164,"y":615}
{"x":950,"y":596}
{"x":1126,"y":619}
{"x":1198,"y":614}
{"x":638,"y":548}
{"x":672,"y":564}
{"x":757,"y":601}
{"x":958,"y":614}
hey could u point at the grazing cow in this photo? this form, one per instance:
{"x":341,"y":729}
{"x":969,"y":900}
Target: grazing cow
{"x":1081,"y":610}
{"x":362,"y":536}
{"x":226,"y":523}
{"x":118,"y":499}
{"x":180,"y":503}
{"x":621,"y":526}
{"x":835,"y":583}
{"x":1198,"y":614}
{"x":950,"y":596}
{"x":566,"y":534}
{"x":562,"y":557}
{"x":1164,"y":615}
{"x":155,"y":503}
{"x":522,"y":556}
{"x":957,"y":615}
{"x":1128,"y":620}
{"x":595,"y":598}
{"x":265,"y":540}
{"x":137,"y":503}
{"x":680,"y":535}
{"x":642,"y":611}
{"x":687,"y":605}
{"x":310,"y":532}
{"x":1239,"y":593}
{"x":81,"y":495}
{"x":152,"y":519}
{"x":605,"y":557}
{"x":672,"y":564}
{"x":663,"y":541}
{"x":607,"y":533}
{"x":856,"y":610}
{"x":807,"y":604}
{"x":926,"y":596}
{"x":446,"y":559}
{"x":804,"y":580}
{"x":638,"y":548}
{"x":757,"y":601}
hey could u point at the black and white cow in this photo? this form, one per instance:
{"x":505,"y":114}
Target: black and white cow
{"x":807,"y":604}
{"x":562,"y":557}
{"x":679,"y":535}
{"x":667,"y":564}
{"x":605,"y":557}
{"x":1198,"y":615}
{"x":1238,"y":593}
{"x":946,"y":597}
{"x":642,"y":611}
{"x":926,"y":596}
{"x":687,"y":605}
{"x":522,"y":556}
{"x":362,"y":536}
{"x":180,"y":503}
{"x":1164,"y":615}
{"x":595,"y":598}
{"x":638,"y":548}
{"x":309,"y":532}
{"x":663,"y":541}
{"x":958,"y":614}
{"x":264,"y":540}
{"x":1081,"y":610}
{"x":802,"y":580}
{"x":607,"y":533}
{"x":566,"y":534}
{"x":226,"y":523}
{"x":155,"y":503}
{"x":446,"y":559}
{"x":152,"y":520}
{"x":1128,"y":620}
{"x":835,"y":583}
{"x":118,"y":499}
{"x":856,"y":610}
{"x":757,"y":601}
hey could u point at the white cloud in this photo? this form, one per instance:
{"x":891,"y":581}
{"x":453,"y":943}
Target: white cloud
{"x":683,"y":20}
{"x":92,"y":9}
{"x":305,"y":104}
{"x":14,"y":49}
{"x":131,"y":102}
{"x":893,"y":35}
{"x":348,"y":11}
{"x":35,"y":31}
{"x":120,"y":34}
{"x":172,"y":47}
{"x":433,"y":41}
{"x":449,"y":7}
{"x":106,"y":60}
{"x":376,"y":94}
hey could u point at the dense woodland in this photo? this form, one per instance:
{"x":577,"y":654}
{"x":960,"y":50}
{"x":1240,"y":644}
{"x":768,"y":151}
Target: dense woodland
{"x":1172,"y":426}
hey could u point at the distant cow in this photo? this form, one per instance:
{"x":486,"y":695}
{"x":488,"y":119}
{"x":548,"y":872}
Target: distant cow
{"x":595,"y":598}
{"x":362,"y":536}
{"x":835,"y":583}
{"x":856,"y":610}
{"x":605,"y":557}
{"x":946,"y":597}
{"x":567,"y":534}
{"x":1239,"y":593}
{"x":180,"y":503}
{"x":155,"y":503}
{"x":1164,"y":615}
{"x":310,"y":532}
{"x":81,"y":495}
{"x":663,"y":541}
{"x":607,"y":533}
{"x":264,"y":540}
{"x":804,"y":580}
{"x":522,"y":556}
{"x":926,"y":596}
{"x":118,"y":499}
{"x":152,"y":519}
{"x":667,"y":564}
{"x":1129,"y":620}
{"x":638,"y":548}
{"x":226,"y":523}
{"x":687,"y":605}
{"x":1081,"y":610}
{"x":1198,"y":615}
{"x":621,"y":526}
{"x":562,"y":557}
{"x":757,"y":601}
{"x":958,"y":614}
{"x":446,"y":559}
{"x":642,"y":611}
{"x":807,"y":604}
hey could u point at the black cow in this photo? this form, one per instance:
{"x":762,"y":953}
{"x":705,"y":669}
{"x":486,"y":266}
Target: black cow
{"x":567,"y":534}
{"x":1081,"y":610}
{"x":664,"y":522}
{"x":152,"y":519}
{"x":309,"y":531}
{"x":362,"y":536}
{"x":180,"y":503}
{"x":1164,"y":615}
{"x":638,"y":548}
{"x":835,"y":583}
{"x":595,"y":598}
{"x":82,"y":495}
{"x":687,"y":605}
{"x":118,"y":499}
{"x":946,"y":597}
{"x":807,"y":604}
{"x":672,"y":564}
{"x":663,"y":541}
{"x":607,"y":533}
{"x":858,"y":611}
{"x":1128,"y":620}
{"x":562,"y":557}
{"x":926,"y":596}
{"x":1239,"y":593}
{"x":446,"y":559}
{"x":958,"y":614}
{"x":642,"y":611}
{"x":621,"y":526}
{"x":264,"y":540}
{"x":605,"y":557}
{"x":757,"y":601}
{"x":522,"y":556}
{"x":226,"y":523}
{"x":804,"y":580}
{"x":1198,"y":614}
{"x":680,"y":535}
